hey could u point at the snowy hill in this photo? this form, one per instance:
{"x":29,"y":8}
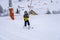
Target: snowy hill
{"x":45,"y":27}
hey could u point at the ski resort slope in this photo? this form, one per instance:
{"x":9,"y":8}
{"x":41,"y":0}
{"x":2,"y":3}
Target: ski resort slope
{"x":45,"y":27}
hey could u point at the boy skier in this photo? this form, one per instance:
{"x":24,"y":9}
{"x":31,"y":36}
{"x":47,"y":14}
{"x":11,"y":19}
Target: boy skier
{"x":26,"y":19}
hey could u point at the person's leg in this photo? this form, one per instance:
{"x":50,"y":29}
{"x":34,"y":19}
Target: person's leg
{"x":25,"y":24}
{"x":28,"y":23}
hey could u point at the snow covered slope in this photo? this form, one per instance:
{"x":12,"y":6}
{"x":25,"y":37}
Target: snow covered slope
{"x":46,"y":27}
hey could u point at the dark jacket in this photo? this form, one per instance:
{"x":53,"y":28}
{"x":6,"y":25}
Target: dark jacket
{"x":26,"y":16}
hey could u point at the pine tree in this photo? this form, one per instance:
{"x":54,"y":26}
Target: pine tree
{"x":1,"y":9}
{"x":51,"y":1}
{"x":17,"y":11}
{"x":48,"y":12}
{"x":19,"y":0}
{"x":10,"y":3}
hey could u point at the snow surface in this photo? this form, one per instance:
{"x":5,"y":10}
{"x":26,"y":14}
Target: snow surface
{"x":46,"y":27}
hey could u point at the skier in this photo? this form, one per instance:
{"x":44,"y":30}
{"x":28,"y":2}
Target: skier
{"x":26,"y":19}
